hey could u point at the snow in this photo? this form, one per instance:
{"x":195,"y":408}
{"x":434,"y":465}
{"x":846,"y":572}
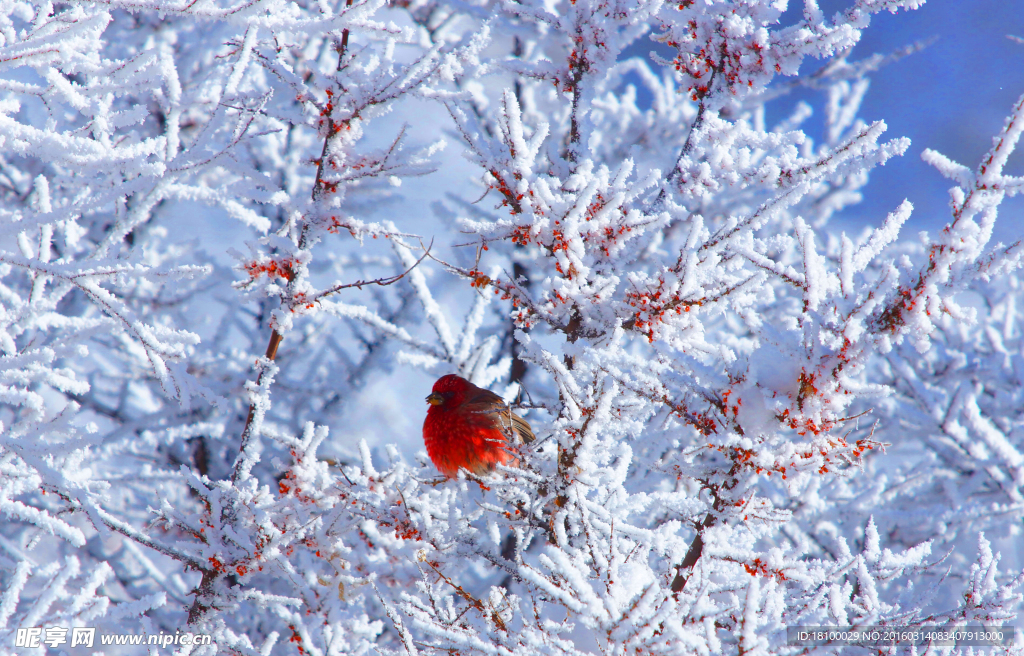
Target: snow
{"x":239,"y":240}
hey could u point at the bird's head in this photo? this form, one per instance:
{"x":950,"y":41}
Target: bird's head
{"x":448,"y":391}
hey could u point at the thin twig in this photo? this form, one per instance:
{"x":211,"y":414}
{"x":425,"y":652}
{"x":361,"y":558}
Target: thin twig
{"x":382,"y":282}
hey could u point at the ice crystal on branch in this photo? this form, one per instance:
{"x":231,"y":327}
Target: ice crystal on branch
{"x":746,"y":420}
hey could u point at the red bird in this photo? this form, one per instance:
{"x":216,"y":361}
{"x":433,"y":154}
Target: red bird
{"x":468,"y":427}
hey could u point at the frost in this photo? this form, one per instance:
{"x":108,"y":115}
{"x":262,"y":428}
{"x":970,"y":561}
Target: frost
{"x":219,"y":318}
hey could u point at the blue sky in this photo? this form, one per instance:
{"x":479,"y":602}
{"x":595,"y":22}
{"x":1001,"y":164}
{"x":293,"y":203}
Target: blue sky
{"x":953,"y":97}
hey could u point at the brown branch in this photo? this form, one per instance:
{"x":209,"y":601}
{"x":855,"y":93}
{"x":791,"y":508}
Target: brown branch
{"x":131,"y":533}
{"x":204,"y":589}
{"x":473,"y":601}
{"x":578,"y":67}
{"x":512,"y":287}
{"x":382,"y":282}
{"x":318,"y":184}
{"x":693,"y":554}
{"x":275,"y":341}
{"x":680,"y":302}
{"x":517,"y":373}
{"x":276,"y":338}
{"x":698,"y":121}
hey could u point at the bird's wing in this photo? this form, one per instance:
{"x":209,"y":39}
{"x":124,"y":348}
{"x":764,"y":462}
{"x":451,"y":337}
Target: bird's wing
{"x":522,"y":428}
{"x":484,"y":401}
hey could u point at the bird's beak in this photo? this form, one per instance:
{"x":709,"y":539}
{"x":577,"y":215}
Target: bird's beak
{"x":435,"y":399}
